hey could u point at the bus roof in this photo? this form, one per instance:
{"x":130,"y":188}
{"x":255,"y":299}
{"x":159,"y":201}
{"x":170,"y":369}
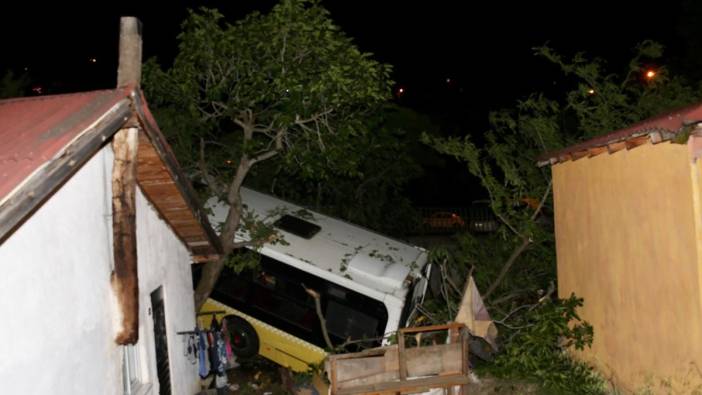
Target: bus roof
{"x":344,"y":253}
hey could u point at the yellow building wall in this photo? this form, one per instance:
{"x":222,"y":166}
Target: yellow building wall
{"x":627,"y":242}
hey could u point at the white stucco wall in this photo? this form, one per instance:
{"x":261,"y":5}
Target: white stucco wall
{"x":58,"y":316}
{"x":164,"y":261}
{"x":56,"y":306}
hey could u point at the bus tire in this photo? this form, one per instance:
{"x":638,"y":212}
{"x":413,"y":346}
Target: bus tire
{"x":243,"y":336}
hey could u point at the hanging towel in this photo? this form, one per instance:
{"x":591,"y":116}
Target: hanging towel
{"x":204,"y":369}
{"x":221,"y":353}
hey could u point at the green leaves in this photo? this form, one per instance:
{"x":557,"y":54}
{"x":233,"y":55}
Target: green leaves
{"x":598,"y":99}
{"x":538,"y":352}
{"x":12,"y":85}
{"x":288,"y":81}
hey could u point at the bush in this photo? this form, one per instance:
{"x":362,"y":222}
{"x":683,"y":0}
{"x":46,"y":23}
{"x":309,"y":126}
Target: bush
{"x":536,"y":348}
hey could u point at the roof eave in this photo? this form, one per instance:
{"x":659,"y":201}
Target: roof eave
{"x":47,"y":179}
{"x":158,"y":141}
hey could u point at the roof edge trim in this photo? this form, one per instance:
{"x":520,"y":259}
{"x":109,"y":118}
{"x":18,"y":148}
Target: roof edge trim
{"x":26,"y":197}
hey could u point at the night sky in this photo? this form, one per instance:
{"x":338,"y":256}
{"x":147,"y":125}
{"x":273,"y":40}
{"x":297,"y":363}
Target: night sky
{"x":483,"y":51}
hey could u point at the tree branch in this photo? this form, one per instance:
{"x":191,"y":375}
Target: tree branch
{"x":322,"y":322}
{"x":315,"y":117}
{"x":513,"y":258}
{"x":212,"y":183}
{"x":264,"y":156}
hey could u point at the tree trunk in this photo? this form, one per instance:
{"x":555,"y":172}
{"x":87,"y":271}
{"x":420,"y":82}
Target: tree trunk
{"x":212,"y":270}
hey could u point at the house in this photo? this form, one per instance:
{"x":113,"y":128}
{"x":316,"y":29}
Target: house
{"x":628,"y":220}
{"x":98,"y":230}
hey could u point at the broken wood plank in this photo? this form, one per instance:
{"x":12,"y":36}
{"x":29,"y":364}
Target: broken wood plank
{"x":415,"y":385}
{"x":397,"y":369}
{"x":125,"y":281}
{"x":439,"y":359}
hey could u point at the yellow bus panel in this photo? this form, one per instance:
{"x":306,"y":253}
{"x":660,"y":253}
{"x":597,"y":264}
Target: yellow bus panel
{"x":274,"y":344}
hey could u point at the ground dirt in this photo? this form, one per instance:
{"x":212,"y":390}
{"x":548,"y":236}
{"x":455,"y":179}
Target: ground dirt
{"x":258,"y":376}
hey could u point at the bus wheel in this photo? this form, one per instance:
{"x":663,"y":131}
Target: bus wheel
{"x":244,"y":339}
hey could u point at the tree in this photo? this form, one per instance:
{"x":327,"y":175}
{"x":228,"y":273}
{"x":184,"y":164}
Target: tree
{"x":374,"y":197}
{"x":287,"y":84}
{"x":12,"y":85}
{"x":516,"y":267}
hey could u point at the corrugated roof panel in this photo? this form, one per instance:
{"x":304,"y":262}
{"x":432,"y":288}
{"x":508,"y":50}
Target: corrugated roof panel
{"x":33,"y":130}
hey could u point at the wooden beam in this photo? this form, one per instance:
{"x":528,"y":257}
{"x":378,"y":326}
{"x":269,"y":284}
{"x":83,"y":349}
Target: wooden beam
{"x":579,"y":154}
{"x":594,"y":151}
{"x":205,"y":258}
{"x":637,"y":141}
{"x":129,"y":70}
{"x":125,"y":281}
{"x":617,"y":146}
{"x":564,"y":157}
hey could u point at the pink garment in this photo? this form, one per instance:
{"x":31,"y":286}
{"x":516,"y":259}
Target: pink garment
{"x":227,"y":341}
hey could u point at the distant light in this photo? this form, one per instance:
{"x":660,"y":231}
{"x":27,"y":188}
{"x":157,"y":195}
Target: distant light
{"x":590,"y":91}
{"x":650,"y":74}
{"x":92,"y":60}
{"x":400,"y":91}
{"x":26,"y":69}
{"x":448,"y":80}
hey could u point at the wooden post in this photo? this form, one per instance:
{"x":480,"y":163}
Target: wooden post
{"x":465,"y":364}
{"x":125,"y":281}
{"x":129,"y":71}
{"x":401,"y":354}
{"x":124,"y":278}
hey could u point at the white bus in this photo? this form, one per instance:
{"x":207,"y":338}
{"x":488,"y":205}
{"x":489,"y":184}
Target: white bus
{"x":369,"y":285}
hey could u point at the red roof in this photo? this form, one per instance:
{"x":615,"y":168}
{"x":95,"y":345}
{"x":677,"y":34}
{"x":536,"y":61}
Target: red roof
{"x":33,"y":130}
{"x":656,"y":129}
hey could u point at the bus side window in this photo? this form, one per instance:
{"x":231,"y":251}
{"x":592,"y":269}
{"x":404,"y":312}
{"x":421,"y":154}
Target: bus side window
{"x":266,"y":279}
{"x":231,"y":285}
{"x":347,"y":322}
